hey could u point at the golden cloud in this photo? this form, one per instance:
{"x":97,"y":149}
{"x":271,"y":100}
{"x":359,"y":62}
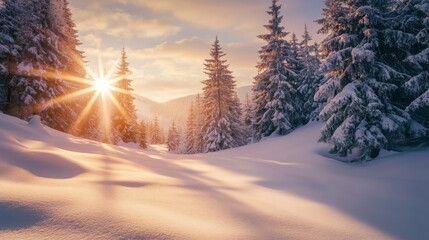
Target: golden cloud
{"x":122,"y":24}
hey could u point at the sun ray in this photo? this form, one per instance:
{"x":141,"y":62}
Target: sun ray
{"x":107,"y":127}
{"x":119,"y":90}
{"x":67,"y":77}
{"x":110,"y":72}
{"x":69,"y":96}
{"x":85,"y":111}
{"x":118,"y":105}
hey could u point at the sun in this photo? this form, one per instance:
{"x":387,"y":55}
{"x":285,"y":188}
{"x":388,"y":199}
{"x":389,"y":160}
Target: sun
{"x":103,"y":85}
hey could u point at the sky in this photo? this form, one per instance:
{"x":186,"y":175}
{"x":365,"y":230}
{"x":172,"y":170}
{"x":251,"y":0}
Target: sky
{"x":167,"y":40}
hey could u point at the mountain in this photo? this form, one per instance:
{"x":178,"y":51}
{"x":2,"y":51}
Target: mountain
{"x":57,"y":186}
{"x":176,"y":109}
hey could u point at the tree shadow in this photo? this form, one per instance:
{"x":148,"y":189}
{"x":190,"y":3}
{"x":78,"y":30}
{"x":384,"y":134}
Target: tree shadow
{"x":213,"y":191}
{"x":14,"y":216}
{"x":383,"y":195}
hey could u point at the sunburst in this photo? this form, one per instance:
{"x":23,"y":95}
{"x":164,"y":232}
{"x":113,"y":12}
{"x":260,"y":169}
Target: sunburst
{"x":102,"y":86}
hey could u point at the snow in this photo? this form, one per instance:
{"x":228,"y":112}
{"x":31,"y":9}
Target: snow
{"x":57,"y":186}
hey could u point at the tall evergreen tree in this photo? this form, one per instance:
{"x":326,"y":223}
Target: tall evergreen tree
{"x":37,"y":79}
{"x":142,"y":134}
{"x":220,"y":104}
{"x":10,"y":14}
{"x":414,"y":22}
{"x":190,"y":131}
{"x":310,"y":78}
{"x":360,"y":81}
{"x":41,"y":68}
{"x":248,"y":116}
{"x":294,"y":60}
{"x":277,"y":102}
{"x":198,"y":129}
{"x":173,"y":139}
{"x":126,"y":125}
{"x":156,"y":132}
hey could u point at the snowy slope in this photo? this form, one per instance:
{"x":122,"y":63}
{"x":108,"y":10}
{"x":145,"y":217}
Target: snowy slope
{"x":56,"y":186}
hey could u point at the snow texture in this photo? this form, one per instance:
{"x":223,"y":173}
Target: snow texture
{"x":57,"y":186}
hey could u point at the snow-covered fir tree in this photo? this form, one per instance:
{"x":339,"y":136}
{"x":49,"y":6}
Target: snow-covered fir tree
{"x":173,"y":139}
{"x":124,"y":122}
{"x":156,"y":133}
{"x":39,"y":67}
{"x":414,"y":23}
{"x":198,"y":125}
{"x":360,"y":82}
{"x":10,"y":14}
{"x":309,"y":77}
{"x":142,"y":134}
{"x":221,"y":106}
{"x":277,"y":101}
{"x":44,"y":63}
{"x":190,"y":131}
{"x":294,"y":60}
{"x":248,"y":116}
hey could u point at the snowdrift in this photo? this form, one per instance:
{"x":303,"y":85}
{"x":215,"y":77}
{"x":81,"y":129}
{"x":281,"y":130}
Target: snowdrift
{"x":57,"y":186}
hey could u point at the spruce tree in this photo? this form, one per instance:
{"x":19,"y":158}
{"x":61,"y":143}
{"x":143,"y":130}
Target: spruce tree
{"x":40,"y":72}
{"x":38,"y":78}
{"x":310,"y":78}
{"x":190,"y":131}
{"x":248,"y":117}
{"x":414,"y":23}
{"x":360,"y":81}
{"x":277,"y":101}
{"x":220,"y":104}
{"x":295,"y":56}
{"x":198,"y":128}
{"x":173,"y":139}
{"x":10,"y":14}
{"x":156,"y":131}
{"x":125,"y":126}
{"x":142,"y":135}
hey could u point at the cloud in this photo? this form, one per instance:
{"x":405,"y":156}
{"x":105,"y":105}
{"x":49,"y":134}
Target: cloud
{"x":122,"y":24}
{"x":220,"y":14}
{"x":240,"y":16}
{"x":168,"y":63}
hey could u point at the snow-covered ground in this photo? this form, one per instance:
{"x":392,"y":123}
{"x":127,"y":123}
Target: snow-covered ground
{"x":56,"y":186}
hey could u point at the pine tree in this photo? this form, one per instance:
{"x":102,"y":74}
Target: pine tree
{"x":40,"y":66}
{"x":295,"y":56}
{"x":310,"y":78}
{"x":239,"y":133}
{"x":198,"y":128}
{"x":142,"y":135}
{"x":220,"y":104}
{"x":173,"y":139}
{"x":248,"y":117}
{"x":360,"y":80}
{"x":277,"y":102}
{"x":414,"y":21}
{"x":156,"y":131}
{"x":10,"y":14}
{"x":125,"y":122}
{"x":38,"y":77}
{"x":190,"y":131}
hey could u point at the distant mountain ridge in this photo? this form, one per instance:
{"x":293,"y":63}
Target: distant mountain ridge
{"x":175,"y":109}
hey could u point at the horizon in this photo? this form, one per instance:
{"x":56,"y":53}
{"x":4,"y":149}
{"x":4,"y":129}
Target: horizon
{"x":166,"y":44}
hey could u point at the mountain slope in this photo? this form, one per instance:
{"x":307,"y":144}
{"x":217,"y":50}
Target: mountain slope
{"x":176,"y":109}
{"x":54,"y":185}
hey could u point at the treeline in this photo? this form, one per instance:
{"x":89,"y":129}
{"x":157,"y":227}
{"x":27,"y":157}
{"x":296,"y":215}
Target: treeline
{"x":368,"y":82}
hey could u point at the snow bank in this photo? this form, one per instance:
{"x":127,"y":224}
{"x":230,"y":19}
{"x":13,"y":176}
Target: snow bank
{"x":58,"y":186}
